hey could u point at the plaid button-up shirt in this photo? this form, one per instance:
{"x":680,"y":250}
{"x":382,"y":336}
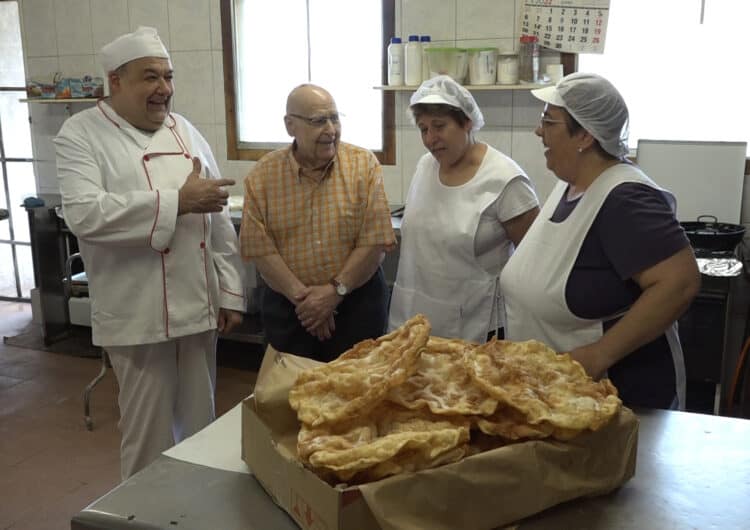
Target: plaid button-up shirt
{"x":314,"y":226}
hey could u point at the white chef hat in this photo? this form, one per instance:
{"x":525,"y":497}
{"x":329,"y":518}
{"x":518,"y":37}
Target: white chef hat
{"x":143,"y":42}
{"x":442,"y":89}
{"x":596,"y":104}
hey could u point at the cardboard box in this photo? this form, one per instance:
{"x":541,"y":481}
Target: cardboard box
{"x":487,"y":490}
{"x":312,"y":503}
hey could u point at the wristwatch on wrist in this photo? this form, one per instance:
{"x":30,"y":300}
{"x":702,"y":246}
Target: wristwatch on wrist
{"x":341,"y":289}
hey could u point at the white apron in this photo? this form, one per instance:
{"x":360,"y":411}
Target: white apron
{"x":534,"y":279}
{"x":438,"y":273}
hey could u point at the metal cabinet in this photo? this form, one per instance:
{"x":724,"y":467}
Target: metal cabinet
{"x":51,"y":244}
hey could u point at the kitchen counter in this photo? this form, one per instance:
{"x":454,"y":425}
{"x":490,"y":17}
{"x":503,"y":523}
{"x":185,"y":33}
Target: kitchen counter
{"x":693,"y":471}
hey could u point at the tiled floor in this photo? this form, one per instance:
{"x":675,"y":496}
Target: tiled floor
{"x":50,"y":465}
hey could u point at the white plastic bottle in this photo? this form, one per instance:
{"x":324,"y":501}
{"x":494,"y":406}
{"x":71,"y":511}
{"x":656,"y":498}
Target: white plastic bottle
{"x":424,"y":40}
{"x":395,"y":62}
{"x":413,"y":61}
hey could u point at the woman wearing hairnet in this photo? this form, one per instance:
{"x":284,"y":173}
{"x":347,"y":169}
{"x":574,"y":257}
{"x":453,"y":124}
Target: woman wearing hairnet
{"x":606,"y":269}
{"x":468,"y":206}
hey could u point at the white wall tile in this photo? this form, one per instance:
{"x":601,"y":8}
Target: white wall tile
{"x":436,"y":18}
{"x":412,"y":149}
{"x":208,"y":131}
{"x":74,"y":30}
{"x":194,"y":91}
{"x":44,"y":148}
{"x":153,"y":13}
{"x":392,"y":184}
{"x":189,"y":25}
{"x":109,"y":20}
{"x":217,"y":61}
{"x":518,"y":18}
{"x":402,"y":113}
{"x":499,"y":138}
{"x":502,"y":45}
{"x":215,"y":25}
{"x":496,"y":106}
{"x":46,"y":177}
{"x":238,"y":170}
{"x":527,"y":150}
{"x":527,"y":110}
{"x":39,"y":33}
{"x":42,"y":68}
{"x":220,"y":154}
{"x":397,"y":16}
{"x":46,"y":120}
{"x":76,"y":65}
{"x":485,"y":19}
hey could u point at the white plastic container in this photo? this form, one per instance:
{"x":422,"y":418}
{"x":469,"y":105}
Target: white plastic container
{"x":424,"y":40}
{"x":413,"y":61}
{"x":395,"y":62}
{"x":482,"y":66}
{"x":448,"y":61}
{"x":507,"y":69}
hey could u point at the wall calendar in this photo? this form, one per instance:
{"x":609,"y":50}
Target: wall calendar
{"x":574,"y":26}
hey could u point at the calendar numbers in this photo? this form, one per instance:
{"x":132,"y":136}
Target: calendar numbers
{"x":576,"y":26}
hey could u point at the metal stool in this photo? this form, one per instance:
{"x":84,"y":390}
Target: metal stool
{"x":90,"y":388}
{"x":76,"y":286}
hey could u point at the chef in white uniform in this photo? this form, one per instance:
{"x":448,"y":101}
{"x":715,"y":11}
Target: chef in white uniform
{"x":140,"y":190}
{"x":468,"y":206}
{"x":606,"y":269}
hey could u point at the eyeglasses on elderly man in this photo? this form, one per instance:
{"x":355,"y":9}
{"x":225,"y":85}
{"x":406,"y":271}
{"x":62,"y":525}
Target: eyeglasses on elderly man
{"x":319,"y":122}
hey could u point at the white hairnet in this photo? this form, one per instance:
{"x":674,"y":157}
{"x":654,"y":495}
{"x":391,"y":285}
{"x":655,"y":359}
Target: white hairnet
{"x":143,"y":42}
{"x":596,"y":104}
{"x":442,"y":89}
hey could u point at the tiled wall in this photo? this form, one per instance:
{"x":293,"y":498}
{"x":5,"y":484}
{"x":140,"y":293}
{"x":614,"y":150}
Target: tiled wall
{"x":65,"y":35}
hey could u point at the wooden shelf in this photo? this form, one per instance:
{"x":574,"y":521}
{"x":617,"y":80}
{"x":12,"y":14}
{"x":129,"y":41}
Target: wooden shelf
{"x":54,"y":100}
{"x":524,"y":86}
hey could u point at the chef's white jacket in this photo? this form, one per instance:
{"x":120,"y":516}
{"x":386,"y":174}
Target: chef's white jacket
{"x":152,"y":275}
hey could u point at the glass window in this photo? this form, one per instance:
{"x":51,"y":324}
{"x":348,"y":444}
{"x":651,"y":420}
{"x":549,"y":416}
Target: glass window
{"x":679,"y":66}
{"x":337,"y":44}
{"x":4,"y":224}
{"x":11,"y":58}
{"x":14,"y":124}
{"x":7,"y":274}
{"x":25,"y":269}
{"x":16,"y":170}
{"x":21,"y":184}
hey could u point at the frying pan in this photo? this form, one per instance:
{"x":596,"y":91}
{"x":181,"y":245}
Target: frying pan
{"x":708,"y":234}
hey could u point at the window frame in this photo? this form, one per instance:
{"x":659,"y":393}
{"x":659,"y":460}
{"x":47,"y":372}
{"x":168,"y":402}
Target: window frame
{"x":386,"y":156}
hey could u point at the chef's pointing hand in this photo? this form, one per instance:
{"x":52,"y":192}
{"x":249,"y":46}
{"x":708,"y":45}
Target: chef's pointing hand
{"x":199,"y":195}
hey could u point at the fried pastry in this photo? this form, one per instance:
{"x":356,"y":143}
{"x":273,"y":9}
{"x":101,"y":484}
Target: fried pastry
{"x":360,"y":378}
{"x":442,"y":383}
{"x":389,"y":440}
{"x":550,"y":390}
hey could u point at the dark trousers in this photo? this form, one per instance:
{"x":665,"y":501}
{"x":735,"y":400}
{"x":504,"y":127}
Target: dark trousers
{"x":361,"y":315}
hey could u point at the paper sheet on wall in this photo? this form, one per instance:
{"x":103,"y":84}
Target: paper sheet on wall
{"x":574,"y":26}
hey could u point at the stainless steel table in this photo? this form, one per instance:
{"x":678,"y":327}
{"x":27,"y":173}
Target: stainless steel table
{"x":693,"y":471}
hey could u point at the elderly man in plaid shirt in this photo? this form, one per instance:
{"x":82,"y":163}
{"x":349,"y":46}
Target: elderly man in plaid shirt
{"x":316,"y":224}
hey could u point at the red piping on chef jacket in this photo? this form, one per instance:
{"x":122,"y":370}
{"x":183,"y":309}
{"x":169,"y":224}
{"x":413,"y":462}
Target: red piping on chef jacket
{"x":145,"y":159}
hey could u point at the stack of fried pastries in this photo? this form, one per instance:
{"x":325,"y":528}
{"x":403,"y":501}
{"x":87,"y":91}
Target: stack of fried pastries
{"x":408,"y":401}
